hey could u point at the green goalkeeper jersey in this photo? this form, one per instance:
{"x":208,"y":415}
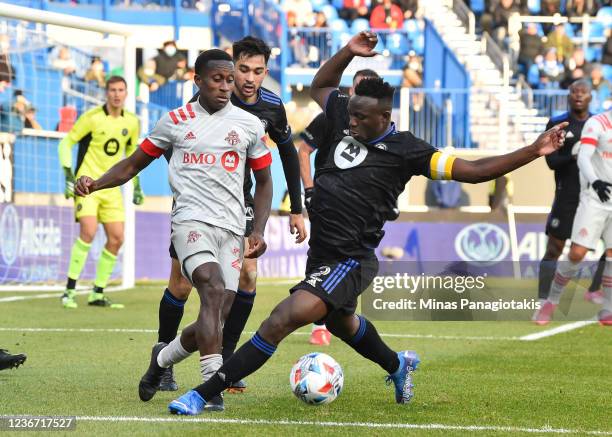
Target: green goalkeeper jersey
{"x":103,"y":141}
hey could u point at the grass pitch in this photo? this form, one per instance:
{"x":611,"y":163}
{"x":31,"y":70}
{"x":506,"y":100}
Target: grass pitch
{"x":475,"y":377}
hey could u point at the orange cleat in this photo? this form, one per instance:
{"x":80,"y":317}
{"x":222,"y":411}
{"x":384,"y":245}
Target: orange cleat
{"x":320,"y":337}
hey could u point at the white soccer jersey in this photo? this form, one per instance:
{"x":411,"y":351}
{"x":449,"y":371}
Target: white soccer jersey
{"x":207,"y":167}
{"x":597,"y":132}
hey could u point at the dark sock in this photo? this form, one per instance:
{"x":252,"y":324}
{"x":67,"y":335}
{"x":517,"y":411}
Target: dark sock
{"x":98,"y":289}
{"x":369,"y":345}
{"x":170,"y":315}
{"x":546,"y":274}
{"x":251,"y":356}
{"x":71,"y":284}
{"x":236,"y":321}
{"x":596,"y":284}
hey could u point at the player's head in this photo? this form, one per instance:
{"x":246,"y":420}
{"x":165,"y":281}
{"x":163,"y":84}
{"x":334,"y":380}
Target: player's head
{"x":251,"y":58}
{"x":214,"y":77}
{"x":370,"y":109}
{"x":579,"y":95}
{"x":359,"y":76}
{"x":116,"y":92}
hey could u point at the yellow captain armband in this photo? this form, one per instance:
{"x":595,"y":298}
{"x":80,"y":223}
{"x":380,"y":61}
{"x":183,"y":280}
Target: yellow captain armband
{"x":441,"y":166}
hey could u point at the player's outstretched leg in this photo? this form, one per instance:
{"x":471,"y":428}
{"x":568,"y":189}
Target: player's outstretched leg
{"x":595,"y":294}
{"x":605,"y":315}
{"x":299,"y":309}
{"x":106,"y":264}
{"x":548,"y":266}
{"x":78,"y":258}
{"x":566,"y":270}
{"x":171,"y":308}
{"x":361,"y":335}
{"x":9,"y":361}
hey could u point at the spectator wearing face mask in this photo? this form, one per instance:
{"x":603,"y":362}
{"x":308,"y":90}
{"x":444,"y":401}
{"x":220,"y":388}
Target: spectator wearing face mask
{"x":96,"y":72}
{"x":148,"y":77}
{"x":167,"y":60}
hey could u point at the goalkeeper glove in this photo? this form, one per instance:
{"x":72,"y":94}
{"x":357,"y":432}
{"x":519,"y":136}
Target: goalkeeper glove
{"x":69,"y":186}
{"x":138,"y":196}
{"x":602,"y":189}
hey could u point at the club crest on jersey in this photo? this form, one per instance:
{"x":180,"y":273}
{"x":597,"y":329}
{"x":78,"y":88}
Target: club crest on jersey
{"x":232,"y":138}
{"x":124,"y":132}
{"x":349,"y":153}
{"x":265,"y":123}
{"x":381,"y":146}
{"x":315,"y":277}
{"x":193,"y":236}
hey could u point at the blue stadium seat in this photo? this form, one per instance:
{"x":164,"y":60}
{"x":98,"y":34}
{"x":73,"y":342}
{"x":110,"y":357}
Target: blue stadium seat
{"x":330,"y":12}
{"x":477,"y":6}
{"x":607,"y":71}
{"x":412,"y":27}
{"x":317,"y":5}
{"x":534,"y":6}
{"x":338,"y":25}
{"x":397,"y":44}
{"x":418,"y":44}
{"x":359,"y":25}
{"x":533,"y":76}
{"x":339,"y":40}
{"x":604,"y":16}
{"x":593,"y":54}
{"x":338,"y":4}
{"x":569,"y":30}
{"x":597,"y":30}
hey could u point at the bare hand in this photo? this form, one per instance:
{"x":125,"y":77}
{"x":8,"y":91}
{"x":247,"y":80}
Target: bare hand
{"x":257,"y":246}
{"x":297,"y":227}
{"x":551,"y":140}
{"x":84,"y":186}
{"x":363,"y":44}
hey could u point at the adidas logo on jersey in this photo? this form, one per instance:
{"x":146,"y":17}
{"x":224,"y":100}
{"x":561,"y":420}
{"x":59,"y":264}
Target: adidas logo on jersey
{"x":190,"y":136}
{"x":569,"y":134}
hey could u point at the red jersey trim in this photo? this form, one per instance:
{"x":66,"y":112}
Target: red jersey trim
{"x":151,"y":149}
{"x":590,"y":141}
{"x":261,"y":162}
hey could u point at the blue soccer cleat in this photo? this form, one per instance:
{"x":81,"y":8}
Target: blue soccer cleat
{"x":402,"y":378}
{"x":190,"y":404}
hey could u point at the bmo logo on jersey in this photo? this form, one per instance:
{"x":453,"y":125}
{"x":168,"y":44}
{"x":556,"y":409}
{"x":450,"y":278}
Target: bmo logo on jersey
{"x":349,"y":153}
{"x":229,"y":161}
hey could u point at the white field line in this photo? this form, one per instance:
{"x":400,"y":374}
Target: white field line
{"x":558,"y":330}
{"x":48,"y":295}
{"x":301,"y":333}
{"x":330,"y":424}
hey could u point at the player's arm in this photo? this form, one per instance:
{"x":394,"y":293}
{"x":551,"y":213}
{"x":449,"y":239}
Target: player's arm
{"x":588,"y":143}
{"x":81,"y":128}
{"x":304,"y":152}
{"x":118,"y":174}
{"x":138,"y":195}
{"x":329,"y":75}
{"x":557,"y":160}
{"x":487,"y":169}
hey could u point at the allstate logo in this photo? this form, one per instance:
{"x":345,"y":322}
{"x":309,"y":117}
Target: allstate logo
{"x":10,"y":230}
{"x":482,"y":242}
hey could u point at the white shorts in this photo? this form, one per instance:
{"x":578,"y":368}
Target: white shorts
{"x":197,"y":243}
{"x":591,"y":224}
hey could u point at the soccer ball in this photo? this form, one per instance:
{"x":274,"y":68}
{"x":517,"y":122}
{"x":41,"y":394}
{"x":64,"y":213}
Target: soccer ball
{"x":316,"y":379}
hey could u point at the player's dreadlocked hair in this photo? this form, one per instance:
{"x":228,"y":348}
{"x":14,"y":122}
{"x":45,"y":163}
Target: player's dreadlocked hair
{"x":366,"y":72}
{"x":251,"y":46}
{"x":376,"y":88}
{"x":210,"y":55}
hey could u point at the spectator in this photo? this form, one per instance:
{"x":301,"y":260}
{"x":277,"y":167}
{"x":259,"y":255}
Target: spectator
{"x":549,"y":8}
{"x":501,"y":15}
{"x":181,"y":72}
{"x":64,"y":62}
{"x":302,"y":10}
{"x":551,"y":70}
{"x":320,"y":20}
{"x":577,"y":68}
{"x":299,"y":49}
{"x":578,"y":8}
{"x":353,"y":9}
{"x":607,"y":49}
{"x":562,"y":43}
{"x":531,"y":46}
{"x":167,"y":59}
{"x":25,"y":111}
{"x":96,"y":72}
{"x":601,"y":89}
{"x":149,"y":78}
{"x":387,"y":16}
{"x":6,"y":70}
{"x":410,"y":8}
{"x":413,"y":78}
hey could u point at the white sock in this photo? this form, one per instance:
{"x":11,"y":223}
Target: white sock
{"x":566,"y":270}
{"x":172,"y":354}
{"x":209,"y":364}
{"x":607,"y":285}
{"x":317,"y":327}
